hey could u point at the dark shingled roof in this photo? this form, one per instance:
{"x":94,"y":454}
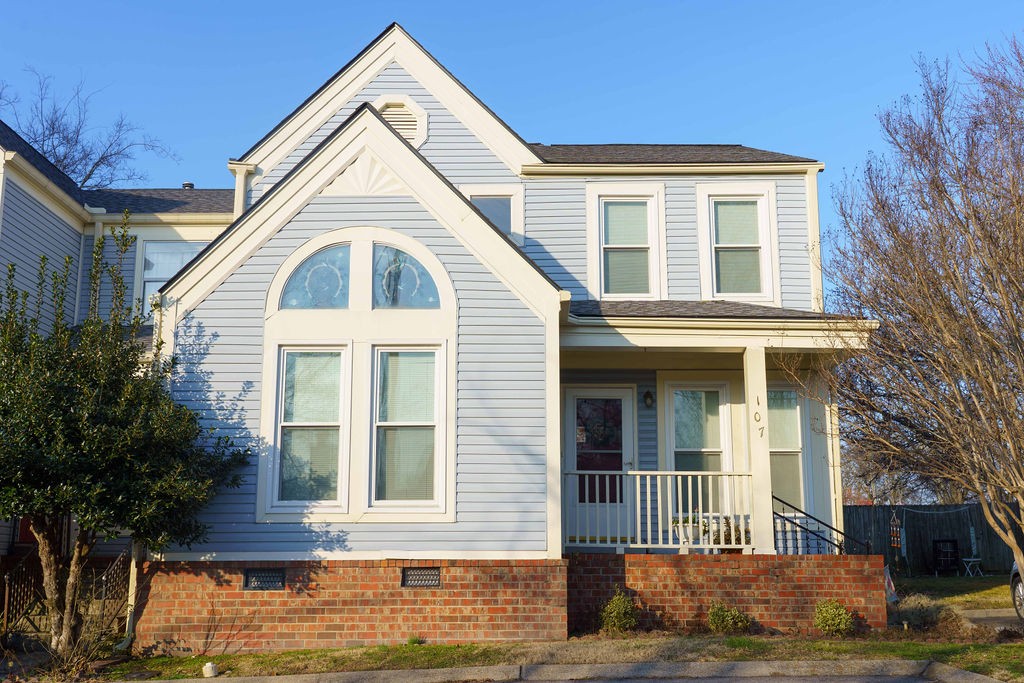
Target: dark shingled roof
{"x":660,"y":154}
{"x":686,"y":309}
{"x":13,"y":142}
{"x":174,"y":200}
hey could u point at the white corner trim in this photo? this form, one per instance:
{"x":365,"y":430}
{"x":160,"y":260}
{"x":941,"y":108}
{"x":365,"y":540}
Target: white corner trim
{"x":654,"y":195}
{"x":814,"y":242}
{"x":401,"y":100}
{"x":765,"y":194}
{"x":511,"y":190}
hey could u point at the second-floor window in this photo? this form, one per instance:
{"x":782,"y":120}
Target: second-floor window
{"x":736,"y":234}
{"x":625,"y":233}
{"x":501,"y":204}
{"x":161,"y":260}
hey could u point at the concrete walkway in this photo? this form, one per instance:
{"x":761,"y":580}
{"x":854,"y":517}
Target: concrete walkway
{"x":999,"y":619}
{"x":746,"y":672}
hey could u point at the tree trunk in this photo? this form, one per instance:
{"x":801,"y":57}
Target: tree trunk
{"x":62,"y":594}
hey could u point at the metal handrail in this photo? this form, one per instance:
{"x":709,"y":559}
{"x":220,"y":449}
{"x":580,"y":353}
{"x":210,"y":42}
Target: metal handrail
{"x":841,"y":546}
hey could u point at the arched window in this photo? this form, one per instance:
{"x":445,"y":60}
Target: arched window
{"x":400,"y":281}
{"x":359,"y":382}
{"x":321,"y":281}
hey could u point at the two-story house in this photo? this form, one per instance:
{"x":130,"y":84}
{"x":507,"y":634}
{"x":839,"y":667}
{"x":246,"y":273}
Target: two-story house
{"x":484,"y":380}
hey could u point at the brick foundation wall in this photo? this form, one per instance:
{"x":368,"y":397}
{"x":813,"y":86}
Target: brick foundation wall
{"x":201,"y":607}
{"x":675,"y":591}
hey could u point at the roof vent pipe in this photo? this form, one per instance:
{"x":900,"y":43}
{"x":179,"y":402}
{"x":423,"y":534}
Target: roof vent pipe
{"x":188,"y":185}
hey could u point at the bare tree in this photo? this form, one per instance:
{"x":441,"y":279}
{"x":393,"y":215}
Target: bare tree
{"x":60,"y":128}
{"x":933,"y":249}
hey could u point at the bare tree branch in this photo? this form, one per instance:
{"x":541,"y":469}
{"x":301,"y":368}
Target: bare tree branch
{"x":59,"y":128}
{"x":933,"y":249}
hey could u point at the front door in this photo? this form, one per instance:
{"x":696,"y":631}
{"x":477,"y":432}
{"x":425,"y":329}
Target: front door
{"x":599,"y":447}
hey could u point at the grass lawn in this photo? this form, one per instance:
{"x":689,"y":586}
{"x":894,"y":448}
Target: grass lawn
{"x":1001,"y":660}
{"x":962,"y":592}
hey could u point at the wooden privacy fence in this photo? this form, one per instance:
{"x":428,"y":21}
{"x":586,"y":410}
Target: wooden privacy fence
{"x":922,"y":525}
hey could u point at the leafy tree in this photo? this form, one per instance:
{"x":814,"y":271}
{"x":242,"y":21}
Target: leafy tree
{"x":934,"y":251}
{"x":61,"y":129}
{"x":88,"y":431}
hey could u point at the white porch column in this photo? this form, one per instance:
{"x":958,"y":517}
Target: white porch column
{"x":755,"y":391}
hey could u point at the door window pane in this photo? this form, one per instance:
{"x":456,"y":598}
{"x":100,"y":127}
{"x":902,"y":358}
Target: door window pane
{"x":599,"y":449}
{"x":787,"y":483}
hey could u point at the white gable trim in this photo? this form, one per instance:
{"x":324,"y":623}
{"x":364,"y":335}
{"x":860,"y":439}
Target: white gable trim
{"x":395,"y":45}
{"x":365,"y":134}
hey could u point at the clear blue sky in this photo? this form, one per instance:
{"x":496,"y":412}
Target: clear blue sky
{"x":807,"y":78}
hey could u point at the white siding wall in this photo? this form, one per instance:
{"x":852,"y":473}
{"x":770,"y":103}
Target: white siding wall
{"x":556,"y":233}
{"x":28,"y":230}
{"x":450,"y":146}
{"x":500,"y":446}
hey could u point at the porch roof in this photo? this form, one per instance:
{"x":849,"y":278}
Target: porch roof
{"x":690,"y":309}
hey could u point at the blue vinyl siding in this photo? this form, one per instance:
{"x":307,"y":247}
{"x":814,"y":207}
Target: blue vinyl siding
{"x":556,"y":233}
{"x":109,"y":254}
{"x":28,"y":230}
{"x":453,"y":150}
{"x":500,"y":470}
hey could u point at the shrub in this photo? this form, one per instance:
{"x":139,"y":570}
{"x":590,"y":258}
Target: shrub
{"x":725,"y":619}
{"x":620,"y":613}
{"x":832,"y":618}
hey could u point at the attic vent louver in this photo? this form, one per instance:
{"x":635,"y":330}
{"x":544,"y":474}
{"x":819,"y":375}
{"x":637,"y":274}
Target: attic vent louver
{"x":405,"y":116}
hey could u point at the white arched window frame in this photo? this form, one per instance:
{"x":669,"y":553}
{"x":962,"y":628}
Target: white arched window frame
{"x":359,"y":334}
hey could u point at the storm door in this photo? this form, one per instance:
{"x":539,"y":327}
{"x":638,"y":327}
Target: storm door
{"x":599,"y":450}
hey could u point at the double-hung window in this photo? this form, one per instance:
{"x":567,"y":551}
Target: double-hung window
{"x":161,"y":260}
{"x":311,"y":429}
{"x":626,"y":233}
{"x":736,"y":236}
{"x":784,"y":444}
{"x":405,"y":425}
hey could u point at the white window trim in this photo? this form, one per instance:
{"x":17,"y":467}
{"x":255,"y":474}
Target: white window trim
{"x":668,"y":420}
{"x":414,"y":107}
{"x":804,"y":426}
{"x":438,"y":423}
{"x":764,"y":193}
{"x":433,"y":328}
{"x":654,"y":195}
{"x":512,"y":190}
{"x":144,"y":236}
{"x":340,"y":504}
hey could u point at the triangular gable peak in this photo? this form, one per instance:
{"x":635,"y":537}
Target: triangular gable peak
{"x":363,"y":157}
{"x":394,"y":45}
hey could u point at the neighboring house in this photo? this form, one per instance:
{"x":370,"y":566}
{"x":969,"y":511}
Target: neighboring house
{"x":484,"y":380}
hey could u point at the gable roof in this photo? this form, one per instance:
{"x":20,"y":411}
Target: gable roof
{"x":12,"y":142}
{"x":660,"y":154}
{"x":393,"y":44}
{"x":160,"y":200}
{"x":321,"y":167}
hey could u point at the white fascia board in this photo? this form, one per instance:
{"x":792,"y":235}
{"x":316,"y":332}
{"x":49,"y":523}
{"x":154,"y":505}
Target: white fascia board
{"x":394,"y":46}
{"x":584,"y":170}
{"x":724,"y":335}
{"x":367,"y":132}
{"x":45,"y":191}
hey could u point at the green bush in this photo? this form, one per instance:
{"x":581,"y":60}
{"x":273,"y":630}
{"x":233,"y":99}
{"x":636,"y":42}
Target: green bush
{"x":832,"y":618}
{"x":725,"y":619}
{"x":620,"y":613}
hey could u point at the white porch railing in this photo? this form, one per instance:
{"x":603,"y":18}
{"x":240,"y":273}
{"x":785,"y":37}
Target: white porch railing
{"x":682,"y":511}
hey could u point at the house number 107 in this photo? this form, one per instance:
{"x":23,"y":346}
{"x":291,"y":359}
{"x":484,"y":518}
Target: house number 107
{"x":757,"y":418}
